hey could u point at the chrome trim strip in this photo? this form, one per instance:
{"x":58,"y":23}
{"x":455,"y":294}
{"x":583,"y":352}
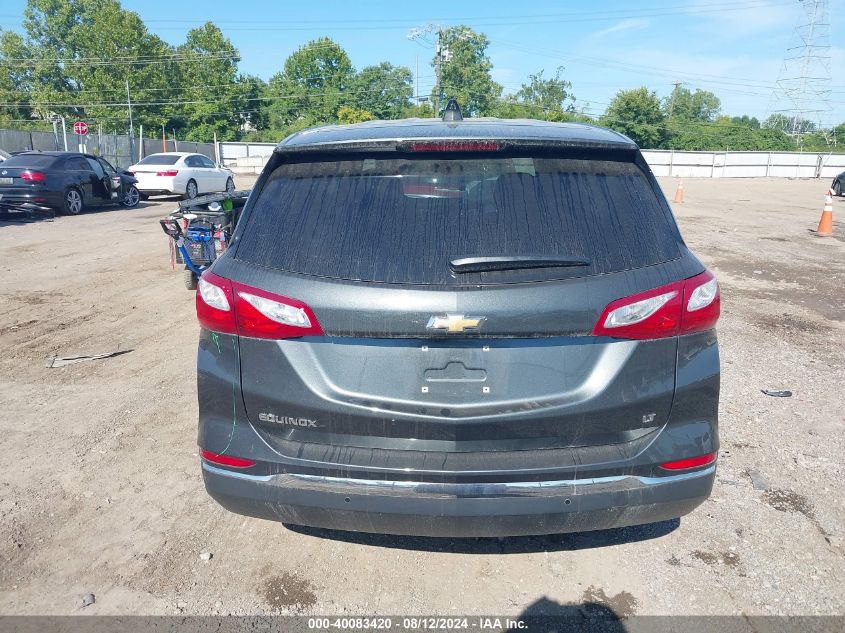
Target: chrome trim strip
{"x":478,"y":490}
{"x":235,"y":474}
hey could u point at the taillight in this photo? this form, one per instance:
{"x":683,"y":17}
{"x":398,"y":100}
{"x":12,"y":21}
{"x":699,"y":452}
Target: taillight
{"x":234,"y":308}
{"x":172,"y":172}
{"x":131,"y":173}
{"x":702,"y":303}
{"x":691,"y":305}
{"x":216,"y":304}
{"x":226,"y":460}
{"x":691,"y":462}
{"x":33,"y":176}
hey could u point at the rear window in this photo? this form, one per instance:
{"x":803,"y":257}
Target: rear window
{"x":159,"y":159}
{"x":402,"y":219}
{"x":30,"y":160}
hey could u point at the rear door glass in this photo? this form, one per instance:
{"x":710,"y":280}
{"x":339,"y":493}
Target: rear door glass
{"x":29,"y":160}
{"x":77,"y":164}
{"x":160,"y":159}
{"x":402,"y":219}
{"x":98,"y":169}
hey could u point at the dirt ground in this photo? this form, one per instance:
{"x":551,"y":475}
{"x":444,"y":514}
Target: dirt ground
{"x":100,"y":486}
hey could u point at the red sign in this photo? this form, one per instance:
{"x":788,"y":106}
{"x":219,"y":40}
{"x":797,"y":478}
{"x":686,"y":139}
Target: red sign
{"x":81,"y":128}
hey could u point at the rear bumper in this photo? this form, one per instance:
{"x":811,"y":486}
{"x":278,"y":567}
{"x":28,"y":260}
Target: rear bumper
{"x":36,"y":201}
{"x":160,"y":186}
{"x":460,"y":510}
{"x":158,"y":192}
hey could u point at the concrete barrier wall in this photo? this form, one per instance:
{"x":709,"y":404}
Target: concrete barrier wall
{"x":744,"y":164}
{"x":231,"y":152}
{"x":251,"y":158}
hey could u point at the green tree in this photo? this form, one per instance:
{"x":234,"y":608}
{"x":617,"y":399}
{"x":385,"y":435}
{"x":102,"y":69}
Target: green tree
{"x":550,"y":97}
{"x":211,"y":99}
{"x":422,"y":110}
{"x":723,"y":135}
{"x":252,"y":91}
{"x":76,"y":57}
{"x":311,"y":88}
{"x":348,"y":114}
{"x":465,"y":74}
{"x":15,"y":82}
{"x":795,"y":124}
{"x":752,"y":122}
{"x":384,"y":90}
{"x":701,"y":105}
{"x":546,"y":99}
{"x":637,"y":114}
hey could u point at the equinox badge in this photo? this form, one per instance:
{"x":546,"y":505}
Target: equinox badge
{"x":454,"y":323}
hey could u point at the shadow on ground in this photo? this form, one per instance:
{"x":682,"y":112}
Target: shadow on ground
{"x":548,"y":615}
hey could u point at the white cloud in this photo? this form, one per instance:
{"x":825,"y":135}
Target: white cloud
{"x":742,"y":22}
{"x":631,"y":24}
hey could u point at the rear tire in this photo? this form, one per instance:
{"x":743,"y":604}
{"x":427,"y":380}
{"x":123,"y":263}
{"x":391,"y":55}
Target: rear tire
{"x":73,"y":203}
{"x":191,"y":190}
{"x":837,"y":188}
{"x":230,"y":186}
{"x":190,"y":278}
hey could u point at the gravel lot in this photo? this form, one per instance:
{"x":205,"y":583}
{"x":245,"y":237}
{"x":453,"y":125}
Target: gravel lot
{"x":100,"y":487}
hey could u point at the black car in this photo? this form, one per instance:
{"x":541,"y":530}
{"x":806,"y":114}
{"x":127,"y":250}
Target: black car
{"x":458,"y":328}
{"x":838,"y":185}
{"x":66,"y":182}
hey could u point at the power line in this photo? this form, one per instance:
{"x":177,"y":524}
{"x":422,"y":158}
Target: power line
{"x":179,"y":88}
{"x":117,"y":61}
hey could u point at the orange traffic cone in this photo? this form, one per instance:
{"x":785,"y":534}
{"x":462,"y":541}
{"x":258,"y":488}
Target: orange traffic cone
{"x":826,"y":221}
{"x":679,"y":192}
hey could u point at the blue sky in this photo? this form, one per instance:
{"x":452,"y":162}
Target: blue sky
{"x":734,"y":48}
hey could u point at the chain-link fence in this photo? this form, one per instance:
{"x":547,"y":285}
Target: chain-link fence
{"x":20,"y":140}
{"x":118,"y":149}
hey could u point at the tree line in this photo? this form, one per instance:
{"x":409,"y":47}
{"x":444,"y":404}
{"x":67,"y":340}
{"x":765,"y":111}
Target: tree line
{"x":86,"y":58}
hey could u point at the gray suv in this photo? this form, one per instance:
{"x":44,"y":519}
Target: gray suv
{"x":458,"y":328}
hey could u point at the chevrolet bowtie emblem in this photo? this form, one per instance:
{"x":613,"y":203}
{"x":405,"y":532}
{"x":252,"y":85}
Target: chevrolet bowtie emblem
{"x":453,"y":323}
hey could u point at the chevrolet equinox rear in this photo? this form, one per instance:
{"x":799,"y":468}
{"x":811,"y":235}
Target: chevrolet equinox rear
{"x":458,"y":328}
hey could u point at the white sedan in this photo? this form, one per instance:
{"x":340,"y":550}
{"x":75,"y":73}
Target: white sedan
{"x":180,"y":173}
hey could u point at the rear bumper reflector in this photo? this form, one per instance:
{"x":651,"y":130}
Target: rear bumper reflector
{"x":691,"y":462}
{"x":226,"y":460}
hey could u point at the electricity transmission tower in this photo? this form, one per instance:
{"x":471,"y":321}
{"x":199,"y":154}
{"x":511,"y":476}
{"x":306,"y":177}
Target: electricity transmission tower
{"x":802,"y":93}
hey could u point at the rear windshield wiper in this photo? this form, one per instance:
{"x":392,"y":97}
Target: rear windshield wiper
{"x":512,"y":262}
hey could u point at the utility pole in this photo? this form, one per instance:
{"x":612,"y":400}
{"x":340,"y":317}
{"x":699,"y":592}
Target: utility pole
{"x":55,"y":132}
{"x":437,"y":88}
{"x":131,"y":129}
{"x":677,"y":85}
{"x":441,"y":55}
